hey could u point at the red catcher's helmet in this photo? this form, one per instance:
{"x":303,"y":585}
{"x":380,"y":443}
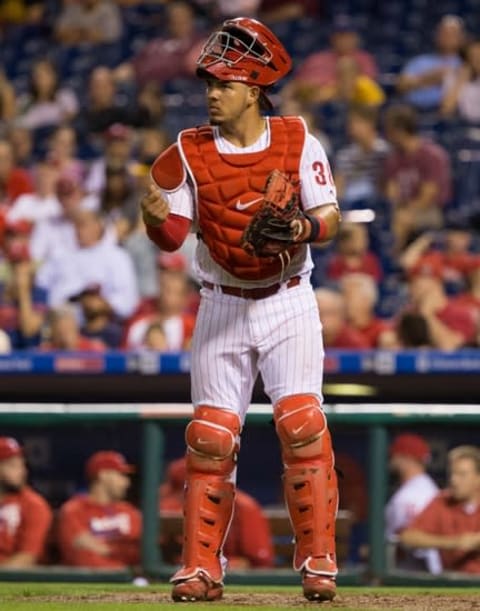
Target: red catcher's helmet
{"x":244,"y":50}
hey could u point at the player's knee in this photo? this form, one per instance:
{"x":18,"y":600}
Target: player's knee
{"x":302,"y":427}
{"x":212,"y":440}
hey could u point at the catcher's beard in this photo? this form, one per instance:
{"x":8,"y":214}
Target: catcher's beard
{"x":7,"y":488}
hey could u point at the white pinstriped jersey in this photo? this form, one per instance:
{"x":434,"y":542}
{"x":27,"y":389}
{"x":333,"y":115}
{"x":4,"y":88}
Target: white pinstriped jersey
{"x":316,"y":189}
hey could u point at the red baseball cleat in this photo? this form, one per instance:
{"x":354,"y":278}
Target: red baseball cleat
{"x":318,"y":587}
{"x":198,"y":588}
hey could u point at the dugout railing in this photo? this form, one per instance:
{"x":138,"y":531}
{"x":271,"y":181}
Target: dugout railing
{"x":375,"y":419}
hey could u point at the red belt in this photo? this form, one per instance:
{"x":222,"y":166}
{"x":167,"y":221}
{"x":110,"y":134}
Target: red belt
{"x":255,"y":293}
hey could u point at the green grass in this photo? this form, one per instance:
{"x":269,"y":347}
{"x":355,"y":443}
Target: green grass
{"x":86,"y":597}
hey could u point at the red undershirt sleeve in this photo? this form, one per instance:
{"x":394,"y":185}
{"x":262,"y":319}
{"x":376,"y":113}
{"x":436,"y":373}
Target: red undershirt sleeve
{"x":171,"y":234}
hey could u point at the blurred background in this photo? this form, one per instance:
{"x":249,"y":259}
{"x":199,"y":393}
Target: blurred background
{"x":96,"y":322}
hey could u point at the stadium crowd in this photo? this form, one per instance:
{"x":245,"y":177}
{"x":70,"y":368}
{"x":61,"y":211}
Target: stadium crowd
{"x":91,"y":91}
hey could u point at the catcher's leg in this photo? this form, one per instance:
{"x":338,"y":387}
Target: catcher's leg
{"x":311,"y":490}
{"x":212,"y":442}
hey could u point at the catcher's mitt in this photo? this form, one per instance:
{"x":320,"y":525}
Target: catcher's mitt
{"x":269,"y":231}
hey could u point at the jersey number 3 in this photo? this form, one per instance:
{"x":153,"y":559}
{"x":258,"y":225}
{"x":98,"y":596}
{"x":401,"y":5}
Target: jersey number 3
{"x":322,"y":174}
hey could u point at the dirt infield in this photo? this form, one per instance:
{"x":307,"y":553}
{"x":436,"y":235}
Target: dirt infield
{"x":401,"y":602}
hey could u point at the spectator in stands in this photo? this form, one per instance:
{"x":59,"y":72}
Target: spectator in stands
{"x":21,"y":141}
{"x":462,"y":93}
{"x":150,"y":101}
{"x":100,"y":529}
{"x":47,"y":103}
{"x":353,"y":254}
{"x":318,"y":78}
{"x":89,"y":21}
{"x":98,"y":319}
{"x":249,"y":541}
{"x":165,"y":58}
{"x":96,"y":260}
{"x":14,"y":181}
{"x":43,"y":203}
{"x":451,"y":522}
{"x":25,"y":517}
{"x":7,"y":99}
{"x":119,"y":201}
{"x":409,"y":458}
{"x":143,"y":253}
{"x":272,"y":11}
{"x":21,"y":12}
{"x":103,"y":108}
{"x":56,"y":236}
{"x":5,"y":343}
{"x":450,"y":325}
{"x":62,"y":153}
{"x":118,"y":143}
{"x":23,"y":304}
{"x":169,"y":307}
{"x":411,"y":331}
{"x":449,"y":250}
{"x":358,"y":166}
{"x":155,"y":338}
{"x":471,"y":297}
{"x":62,"y":333}
{"x":337,"y":333}
{"x":293,"y":107}
{"x":361,"y":295}
{"x":417,"y":176}
{"x":423,"y":79}
{"x":151,"y":142}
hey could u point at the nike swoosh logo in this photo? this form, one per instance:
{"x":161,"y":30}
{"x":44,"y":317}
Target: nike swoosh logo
{"x":296,"y":431}
{"x":240,"y":206}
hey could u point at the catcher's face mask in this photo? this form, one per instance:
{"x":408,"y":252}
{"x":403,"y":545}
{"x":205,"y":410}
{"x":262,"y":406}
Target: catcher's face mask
{"x":244,"y":50}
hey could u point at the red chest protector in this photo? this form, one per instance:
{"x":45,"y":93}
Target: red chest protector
{"x":229,"y":191}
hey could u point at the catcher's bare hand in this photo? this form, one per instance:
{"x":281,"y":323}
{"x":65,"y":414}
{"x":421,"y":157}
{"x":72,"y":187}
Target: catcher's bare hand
{"x":154,"y":207}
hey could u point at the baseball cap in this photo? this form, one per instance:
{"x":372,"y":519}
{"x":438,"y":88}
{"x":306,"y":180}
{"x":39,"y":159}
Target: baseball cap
{"x":9,"y":447}
{"x":410,"y":444}
{"x":105,"y":459}
{"x":172,"y":261}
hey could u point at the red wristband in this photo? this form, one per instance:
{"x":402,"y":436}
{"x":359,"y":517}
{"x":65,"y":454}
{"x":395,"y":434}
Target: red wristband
{"x":319,"y":228}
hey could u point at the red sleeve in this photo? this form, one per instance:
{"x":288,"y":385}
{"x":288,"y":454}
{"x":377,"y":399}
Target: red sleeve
{"x":19,"y":183}
{"x":435,"y":168}
{"x":171,"y":234}
{"x":36,"y":522}
{"x":459,"y":319}
{"x":428,"y":520}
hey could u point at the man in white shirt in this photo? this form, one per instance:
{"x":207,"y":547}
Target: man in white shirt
{"x":94,"y":261}
{"x":409,"y":457}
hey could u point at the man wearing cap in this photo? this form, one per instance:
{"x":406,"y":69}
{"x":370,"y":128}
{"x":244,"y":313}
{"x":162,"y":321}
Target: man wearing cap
{"x":169,"y":308}
{"x":450,"y":325}
{"x":409,"y":456}
{"x":100,"y":529}
{"x":25,"y":517}
{"x":451,"y":522}
{"x":320,"y":73}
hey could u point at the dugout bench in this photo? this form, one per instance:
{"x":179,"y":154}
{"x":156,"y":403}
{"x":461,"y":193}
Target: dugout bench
{"x":155,"y":418}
